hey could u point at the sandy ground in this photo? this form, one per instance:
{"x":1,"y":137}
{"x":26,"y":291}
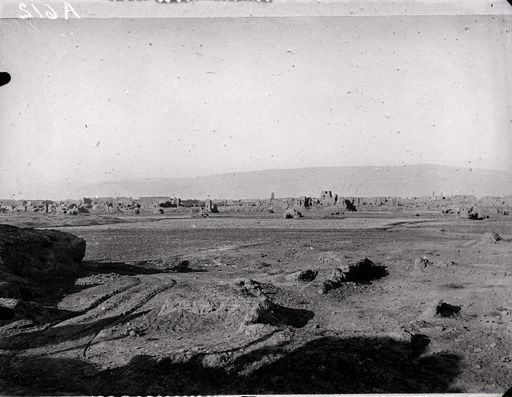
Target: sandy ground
{"x":162,"y":303}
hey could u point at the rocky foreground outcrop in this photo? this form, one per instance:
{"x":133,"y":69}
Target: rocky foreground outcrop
{"x":31,"y":260}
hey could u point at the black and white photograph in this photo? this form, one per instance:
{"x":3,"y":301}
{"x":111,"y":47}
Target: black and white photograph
{"x":255,"y":200}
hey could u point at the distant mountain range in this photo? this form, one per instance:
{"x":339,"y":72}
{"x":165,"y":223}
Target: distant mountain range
{"x":403,"y":181}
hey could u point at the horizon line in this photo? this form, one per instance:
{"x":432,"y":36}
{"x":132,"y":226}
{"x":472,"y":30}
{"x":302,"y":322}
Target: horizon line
{"x":295,"y":169}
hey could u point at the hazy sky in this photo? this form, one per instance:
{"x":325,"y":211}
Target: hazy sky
{"x":98,"y":100}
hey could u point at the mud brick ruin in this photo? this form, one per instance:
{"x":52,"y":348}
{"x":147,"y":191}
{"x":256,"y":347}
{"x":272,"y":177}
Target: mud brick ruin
{"x":468,"y":206}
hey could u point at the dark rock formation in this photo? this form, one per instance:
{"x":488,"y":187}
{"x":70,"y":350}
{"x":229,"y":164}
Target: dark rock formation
{"x":31,"y":258}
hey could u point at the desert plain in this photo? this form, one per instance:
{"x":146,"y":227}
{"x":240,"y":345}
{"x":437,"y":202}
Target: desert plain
{"x":253,"y":303}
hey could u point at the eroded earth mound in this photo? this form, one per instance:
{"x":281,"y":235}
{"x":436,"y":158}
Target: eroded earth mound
{"x":31,"y":260}
{"x":363,"y":271}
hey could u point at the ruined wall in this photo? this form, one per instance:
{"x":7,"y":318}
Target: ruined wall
{"x":458,"y":205}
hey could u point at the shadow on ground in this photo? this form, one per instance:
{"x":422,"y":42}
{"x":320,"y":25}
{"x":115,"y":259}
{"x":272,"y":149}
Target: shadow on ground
{"x":366,"y":276}
{"x":324,"y":365}
{"x":42,"y":298}
{"x":175,"y":265}
{"x":61,"y":334}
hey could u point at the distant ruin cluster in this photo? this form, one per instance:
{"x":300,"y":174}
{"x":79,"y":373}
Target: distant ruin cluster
{"x":109,"y":205}
{"x":291,"y":207}
{"x":460,"y":205}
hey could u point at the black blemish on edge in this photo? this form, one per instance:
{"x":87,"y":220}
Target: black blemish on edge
{"x":5,"y":78}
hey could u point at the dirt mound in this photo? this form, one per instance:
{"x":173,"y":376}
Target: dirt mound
{"x":306,"y":276}
{"x":334,"y":281}
{"x":183,"y":266}
{"x":292,"y":214}
{"x":253,"y":287}
{"x":231,"y":307}
{"x":363,"y":272}
{"x":422,"y":263}
{"x":29,"y":257}
{"x":491,"y":238}
{"x":97,"y":279}
{"x":439,"y":308}
{"x":267,"y":312}
{"x":331,"y":258}
{"x":446,"y":310}
{"x":475,"y":217}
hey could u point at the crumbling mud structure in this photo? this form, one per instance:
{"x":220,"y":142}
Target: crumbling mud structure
{"x":465,"y":206}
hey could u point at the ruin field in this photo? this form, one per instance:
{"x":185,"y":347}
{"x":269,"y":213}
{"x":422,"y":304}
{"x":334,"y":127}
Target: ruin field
{"x":254,"y":304}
